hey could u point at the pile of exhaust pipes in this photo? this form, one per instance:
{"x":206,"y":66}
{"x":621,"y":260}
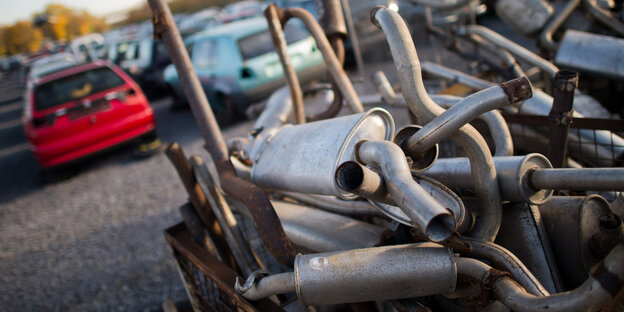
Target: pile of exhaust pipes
{"x":356,"y":214}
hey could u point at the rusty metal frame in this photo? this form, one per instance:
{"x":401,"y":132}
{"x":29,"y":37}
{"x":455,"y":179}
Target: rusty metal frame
{"x":220,"y":276}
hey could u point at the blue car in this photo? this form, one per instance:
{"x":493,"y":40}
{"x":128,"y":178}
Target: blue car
{"x":237,"y":64}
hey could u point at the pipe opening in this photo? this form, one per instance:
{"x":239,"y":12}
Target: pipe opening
{"x":349,"y":176}
{"x":440,"y":228}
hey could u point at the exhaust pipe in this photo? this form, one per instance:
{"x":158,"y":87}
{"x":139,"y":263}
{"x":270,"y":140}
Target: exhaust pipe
{"x":372,"y":274}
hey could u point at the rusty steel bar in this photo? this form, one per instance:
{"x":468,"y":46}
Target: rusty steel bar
{"x":264,"y":216}
{"x":334,"y":66}
{"x":560,"y":115}
{"x":225,"y":217}
{"x":216,"y":274}
{"x":200,"y":203}
{"x":251,"y":196}
{"x":196,"y":229}
{"x":281,"y":47}
{"x":336,"y":104}
{"x":166,"y":29}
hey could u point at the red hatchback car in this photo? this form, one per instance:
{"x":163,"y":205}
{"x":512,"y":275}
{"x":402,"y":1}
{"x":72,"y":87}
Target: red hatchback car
{"x":82,"y":110}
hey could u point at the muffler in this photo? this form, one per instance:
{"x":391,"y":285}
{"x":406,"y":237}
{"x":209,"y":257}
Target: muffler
{"x":304,"y":158}
{"x":586,"y":52}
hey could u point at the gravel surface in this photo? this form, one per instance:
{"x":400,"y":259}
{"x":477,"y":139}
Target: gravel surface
{"x":90,"y":237}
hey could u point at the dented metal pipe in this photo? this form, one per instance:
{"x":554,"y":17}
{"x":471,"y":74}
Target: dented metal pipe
{"x":425,"y":211}
{"x":407,"y":63}
{"x":466,"y":110}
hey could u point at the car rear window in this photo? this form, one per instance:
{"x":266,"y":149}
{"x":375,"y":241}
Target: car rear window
{"x":75,"y":86}
{"x":261,"y":43}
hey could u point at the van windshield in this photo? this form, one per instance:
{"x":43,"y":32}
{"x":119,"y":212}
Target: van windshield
{"x":75,"y":86}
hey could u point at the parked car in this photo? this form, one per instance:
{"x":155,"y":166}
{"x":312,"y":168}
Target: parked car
{"x":144,"y":59}
{"x":198,"y":21}
{"x":237,"y":64}
{"x":50,"y":64}
{"x":83,"y":110}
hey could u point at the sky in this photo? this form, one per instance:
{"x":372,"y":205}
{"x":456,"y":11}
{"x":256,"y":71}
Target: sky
{"x":14,"y":10}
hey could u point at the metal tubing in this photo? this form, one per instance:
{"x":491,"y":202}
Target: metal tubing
{"x":504,"y":55}
{"x":165,"y":27}
{"x":545,"y":37}
{"x":604,"y":16}
{"x":334,"y":66}
{"x":410,"y":76}
{"x":372,"y":274}
{"x":499,"y":131}
{"x":450,"y":74}
{"x":320,"y":231}
{"x":366,"y":183}
{"x":493,"y":119}
{"x":281,"y":47}
{"x":511,"y":46}
{"x":512,"y":173}
{"x":337,"y":205}
{"x":586,"y":179}
{"x":425,"y":211}
{"x":603,"y":284}
{"x":267,"y":286}
{"x":441,"y":4}
{"x":466,"y":110}
{"x":505,"y":260}
{"x":276,"y":112}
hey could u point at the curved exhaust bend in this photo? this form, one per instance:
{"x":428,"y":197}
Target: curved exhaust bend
{"x":604,"y":16}
{"x":505,"y":259}
{"x":545,"y":37}
{"x":334,"y":66}
{"x":503,"y":143}
{"x":510,"y":46}
{"x":425,"y":211}
{"x":267,"y":286}
{"x":602,"y":285}
{"x":410,"y":76}
{"x":493,"y":119}
{"x":447,"y":123}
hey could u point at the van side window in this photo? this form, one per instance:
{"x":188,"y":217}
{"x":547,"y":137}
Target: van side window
{"x":205,"y":54}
